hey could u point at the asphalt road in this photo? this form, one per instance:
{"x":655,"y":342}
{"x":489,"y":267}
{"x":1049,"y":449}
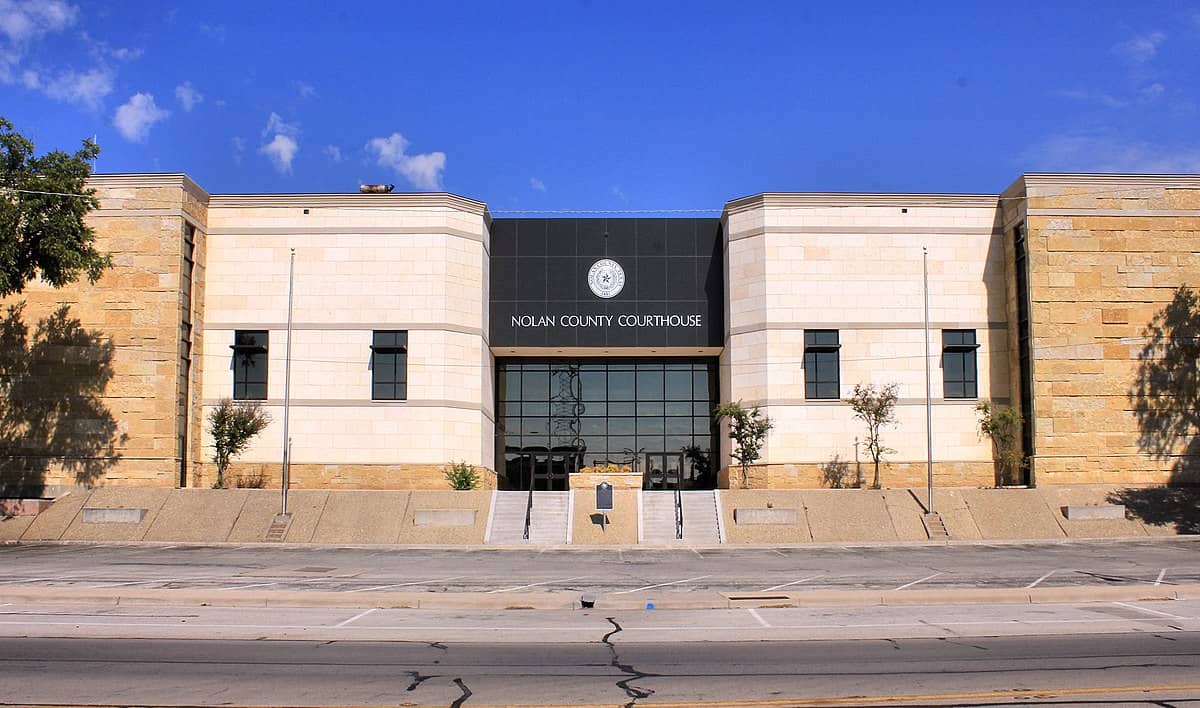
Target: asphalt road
{"x":1166,"y":561}
{"x":1122,"y":669}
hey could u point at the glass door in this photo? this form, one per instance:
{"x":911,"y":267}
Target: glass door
{"x":664,"y":470}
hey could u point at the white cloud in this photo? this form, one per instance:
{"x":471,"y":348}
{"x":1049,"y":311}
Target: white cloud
{"x":537,"y":185}
{"x":217,"y":33}
{"x":276,"y":124}
{"x":1105,"y":152}
{"x":423,"y":171}
{"x":1141,"y":48}
{"x":239,"y":149}
{"x":282,"y":146}
{"x":86,"y":89}
{"x":126,"y":54}
{"x":24,"y":21}
{"x":619,"y":193}
{"x":282,"y":150}
{"x":306,"y":91}
{"x":1153,"y":91}
{"x":334,"y":153}
{"x":188,"y":96}
{"x":135,"y":117}
{"x":1105,"y":99}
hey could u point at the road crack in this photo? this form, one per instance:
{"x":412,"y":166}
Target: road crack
{"x":635,"y":692}
{"x":466,"y":693}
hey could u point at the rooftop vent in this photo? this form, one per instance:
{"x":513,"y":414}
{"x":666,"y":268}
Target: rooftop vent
{"x":376,"y":188}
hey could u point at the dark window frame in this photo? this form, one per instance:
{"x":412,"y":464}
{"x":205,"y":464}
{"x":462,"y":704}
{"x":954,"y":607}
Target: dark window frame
{"x":960,"y":345}
{"x":250,"y":355}
{"x":389,"y":365}
{"x":822,"y":353}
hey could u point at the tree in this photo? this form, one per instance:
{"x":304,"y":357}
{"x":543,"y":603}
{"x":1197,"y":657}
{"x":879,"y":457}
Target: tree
{"x":43,"y":201}
{"x":1003,"y":426}
{"x":233,"y":424}
{"x":876,"y":408}
{"x":748,"y":430}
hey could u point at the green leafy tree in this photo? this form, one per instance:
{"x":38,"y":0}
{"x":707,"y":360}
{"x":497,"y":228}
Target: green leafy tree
{"x":748,"y":429}
{"x":876,"y":407}
{"x":42,"y":232}
{"x":233,"y":424}
{"x":1003,"y":426}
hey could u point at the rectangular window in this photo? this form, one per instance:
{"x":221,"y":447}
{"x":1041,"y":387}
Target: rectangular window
{"x":250,"y":365}
{"x":959,"y":375}
{"x":821,"y":376}
{"x":389,"y":365}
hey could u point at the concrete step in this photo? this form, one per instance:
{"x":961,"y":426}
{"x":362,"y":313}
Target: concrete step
{"x":658,"y":517}
{"x":548,"y":519}
{"x":508,"y":518}
{"x":700,"y":518}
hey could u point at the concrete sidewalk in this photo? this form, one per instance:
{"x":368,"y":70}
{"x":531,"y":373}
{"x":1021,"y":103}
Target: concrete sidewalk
{"x":820,"y":515}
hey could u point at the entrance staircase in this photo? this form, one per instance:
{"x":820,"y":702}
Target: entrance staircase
{"x":699,"y":518}
{"x":548,"y":519}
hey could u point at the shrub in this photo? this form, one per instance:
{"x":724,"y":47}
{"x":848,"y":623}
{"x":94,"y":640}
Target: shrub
{"x":876,"y":407}
{"x":748,"y":429}
{"x":461,"y":476}
{"x":1003,"y":426}
{"x":233,"y":424}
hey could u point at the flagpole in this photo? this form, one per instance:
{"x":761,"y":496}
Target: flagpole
{"x":928,"y":395}
{"x":287,"y":385}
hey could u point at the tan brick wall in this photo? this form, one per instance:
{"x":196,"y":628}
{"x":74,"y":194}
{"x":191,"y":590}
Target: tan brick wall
{"x":309,"y":476}
{"x":1106,"y":254}
{"x":891,"y":474}
{"x":135,"y":308}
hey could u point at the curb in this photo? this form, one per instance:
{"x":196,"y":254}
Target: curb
{"x":697,"y":600}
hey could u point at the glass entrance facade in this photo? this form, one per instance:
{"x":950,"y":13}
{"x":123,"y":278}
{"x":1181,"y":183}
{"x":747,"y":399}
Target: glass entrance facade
{"x":556,"y":417}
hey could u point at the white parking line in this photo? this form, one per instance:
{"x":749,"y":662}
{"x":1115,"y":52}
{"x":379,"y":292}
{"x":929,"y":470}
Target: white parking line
{"x":673,"y":582}
{"x":794,"y":582}
{"x":25,"y":580}
{"x":1161,"y":575}
{"x":360,"y":615}
{"x":404,"y":585}
{"x":1147,"y":609}
{"x":928,"y":577}
{"x":754,"y":613}
{"x":1037,"y":582}
{"x":534,"y":585}
{"x":247,"y":587}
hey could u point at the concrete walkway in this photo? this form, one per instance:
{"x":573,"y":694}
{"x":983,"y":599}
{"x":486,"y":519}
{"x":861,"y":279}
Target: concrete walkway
{"x":396,"y":518}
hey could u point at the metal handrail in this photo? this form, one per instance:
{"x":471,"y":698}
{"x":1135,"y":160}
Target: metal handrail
{"x":678,"y":514}
{"x":528,"y":511}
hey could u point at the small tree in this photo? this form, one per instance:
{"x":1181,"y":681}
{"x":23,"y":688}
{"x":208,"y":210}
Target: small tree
{"x":233,"y":424}
{"x":748,"y":430}
{"x":461,"y":476}
{"x":876,"y":408}
{"x":1003,"y":426}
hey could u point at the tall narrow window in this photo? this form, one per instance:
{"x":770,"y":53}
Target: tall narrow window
{"x":389,"y":365}
{"x":250,"y":365}
{"x":821,"y":376}
{"x":959,"y":376}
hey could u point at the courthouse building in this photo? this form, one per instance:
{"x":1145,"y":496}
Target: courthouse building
{"x":542,"y":351}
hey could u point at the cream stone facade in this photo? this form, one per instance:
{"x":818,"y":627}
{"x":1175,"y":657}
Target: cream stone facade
{"x":1058,"y":280}
{"x":853,"y":264}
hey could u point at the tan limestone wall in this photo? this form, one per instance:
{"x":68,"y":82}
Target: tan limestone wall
{"x":1106,"y":256}
{"x":130,"y":436}
{"x":891,"y":475}
{"x":340,"y":476}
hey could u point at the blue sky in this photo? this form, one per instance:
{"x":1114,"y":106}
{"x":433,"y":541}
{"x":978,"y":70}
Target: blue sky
{"x":608,"y":105}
